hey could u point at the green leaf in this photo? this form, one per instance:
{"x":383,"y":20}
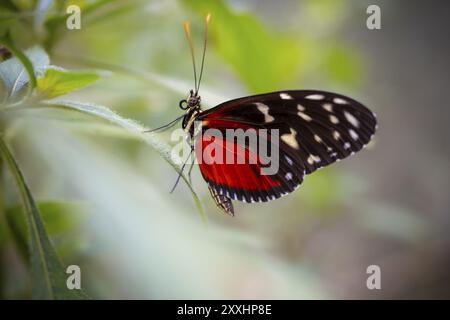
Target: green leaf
{"x":47,"y":272}
{"x":57,"y":81}
{"x":59,"y":217}
{"x":135,"y":128}
{"x":100,"y":129}
{"x":23,"y":68}
{"x":264,"y":60}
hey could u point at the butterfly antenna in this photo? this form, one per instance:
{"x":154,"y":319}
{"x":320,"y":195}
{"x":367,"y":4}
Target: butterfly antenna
{"x":166,"y":126}
{"x":181,"y":172}
{"x":207,"y":19}
{"x":187,"y":30}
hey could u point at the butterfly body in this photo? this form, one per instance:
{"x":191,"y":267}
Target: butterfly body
{"x":259,"y":148}
{"x":193,"y":107}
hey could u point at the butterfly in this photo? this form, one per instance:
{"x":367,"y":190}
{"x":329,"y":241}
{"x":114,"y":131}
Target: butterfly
{"x":314,"y":129}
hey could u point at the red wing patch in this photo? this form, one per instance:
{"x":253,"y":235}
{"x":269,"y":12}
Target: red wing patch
{"x":236,"y":171}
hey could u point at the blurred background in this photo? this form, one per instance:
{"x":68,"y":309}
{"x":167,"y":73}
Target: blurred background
{"x":104,"y":194}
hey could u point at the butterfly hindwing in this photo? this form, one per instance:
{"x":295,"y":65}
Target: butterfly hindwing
{"x":316,"y":128}
{"x":243,"y":181}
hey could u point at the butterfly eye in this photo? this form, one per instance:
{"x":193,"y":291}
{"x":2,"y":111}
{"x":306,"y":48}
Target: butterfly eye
{"x":183,"y":104}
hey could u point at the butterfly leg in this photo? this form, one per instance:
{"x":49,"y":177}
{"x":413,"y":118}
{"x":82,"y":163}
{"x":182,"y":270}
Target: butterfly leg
{"x":192,"y":145}
{"x":181,"y":172}
{"x":190,"y":171}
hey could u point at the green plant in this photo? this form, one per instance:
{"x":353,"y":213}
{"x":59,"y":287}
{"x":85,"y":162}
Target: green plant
{"x":30,"y":82}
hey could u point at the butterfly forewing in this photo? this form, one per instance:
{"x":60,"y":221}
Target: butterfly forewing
{"x":316,"y":128}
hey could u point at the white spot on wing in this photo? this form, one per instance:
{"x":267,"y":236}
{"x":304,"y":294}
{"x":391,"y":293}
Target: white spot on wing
{"x":315,"y":97}
{"x":339,"y":101}
{"x":312,"y":158}
{"x":288,"y":176}
{"x":328,"y":107}
{"x":347,"y":145}
{"x":264,"y":109}
{"x":300,"y":107}
{"x":304,"y":116}
{"x":285,"y":96}
{"x":336,"y":135}
{"x":290,"y":140}
{"x":350,"y":118}
{"x":289,"y":160}
{"x":317,"y":138}
{"x":334,"y":119}
{"x":353,"y":134}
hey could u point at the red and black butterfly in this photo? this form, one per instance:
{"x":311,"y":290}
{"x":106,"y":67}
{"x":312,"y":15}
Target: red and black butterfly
{"x":316,"y":128}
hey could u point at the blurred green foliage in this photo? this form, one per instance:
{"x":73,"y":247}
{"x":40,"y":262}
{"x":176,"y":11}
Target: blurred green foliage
{"x":47,"y":272}
{"x":263,"y":59}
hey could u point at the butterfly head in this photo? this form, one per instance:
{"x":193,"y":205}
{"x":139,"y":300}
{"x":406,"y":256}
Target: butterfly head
{"x":192,"y":102}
